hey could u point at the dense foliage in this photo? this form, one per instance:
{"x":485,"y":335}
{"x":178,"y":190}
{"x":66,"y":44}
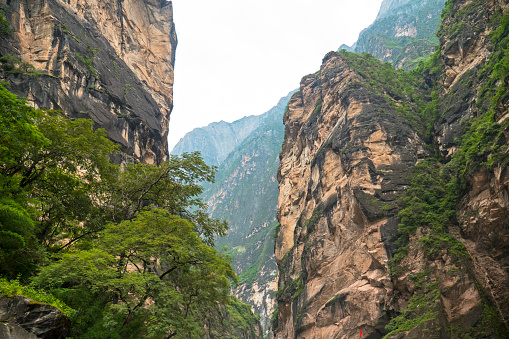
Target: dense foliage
{"x":130,"y":251}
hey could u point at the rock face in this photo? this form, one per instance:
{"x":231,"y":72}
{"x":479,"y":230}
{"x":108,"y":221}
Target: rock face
{"x":343,"y":165}
{"x":217,"y":140}
{"x":351,"y":146}
{"x":469,"y":56}
{"x":23,"y":318}
{"x":110,"y":61}
{"x":403,"y":32}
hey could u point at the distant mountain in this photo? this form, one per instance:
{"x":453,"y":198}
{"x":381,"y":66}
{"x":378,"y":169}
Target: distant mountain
{"x":403,"y":33}
{"x":218,"y":139}
{"x":245,"y":194}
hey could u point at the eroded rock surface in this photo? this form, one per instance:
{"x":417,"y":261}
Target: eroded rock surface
{"x":344,"y":164}
{"x":23,"y":318}
{"x":348,"y":157}
{"x":483,"y":212}
{"x":110,"y":61}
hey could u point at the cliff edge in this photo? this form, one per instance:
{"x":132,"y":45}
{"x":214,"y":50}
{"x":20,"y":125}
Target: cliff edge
{"x":110,"y":61}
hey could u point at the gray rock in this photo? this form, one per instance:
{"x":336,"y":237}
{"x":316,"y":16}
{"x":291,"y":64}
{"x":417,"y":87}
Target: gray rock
{"x":21,"y":317}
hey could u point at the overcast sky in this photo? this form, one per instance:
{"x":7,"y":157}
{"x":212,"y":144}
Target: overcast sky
{"x":237,"y":58}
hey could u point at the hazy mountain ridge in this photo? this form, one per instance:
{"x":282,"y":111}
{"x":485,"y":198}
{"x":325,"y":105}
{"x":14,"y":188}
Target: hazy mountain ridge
{"x":245,"y":194}
{"x":218,"y":139}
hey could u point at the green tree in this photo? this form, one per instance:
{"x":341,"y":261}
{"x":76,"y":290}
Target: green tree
{"x":19,"y":253}
{"x":67,"y":178}
{"x":17,"y":132}
{"x":153,"y":271}
{"x":52,"y":174}
{"x":130,"y":249}
{"x":174,"y":186}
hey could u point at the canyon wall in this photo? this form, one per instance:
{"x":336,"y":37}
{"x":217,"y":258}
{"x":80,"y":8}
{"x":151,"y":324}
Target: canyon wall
{"x":110,"y":61}
{"x":394,"y":191}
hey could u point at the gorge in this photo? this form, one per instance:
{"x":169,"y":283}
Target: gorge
{"x":372,"y":201}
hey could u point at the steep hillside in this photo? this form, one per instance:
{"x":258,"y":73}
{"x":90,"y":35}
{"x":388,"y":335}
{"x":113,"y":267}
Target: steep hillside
{"x":393,"y":191}
{"x":245,"y":194}
{"x":217,"y":140}
{"x":403,"y":32}
{"x":110,"y":61}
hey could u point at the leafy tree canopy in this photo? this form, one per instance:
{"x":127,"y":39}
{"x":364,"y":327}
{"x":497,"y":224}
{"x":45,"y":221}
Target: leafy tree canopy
{"x":130,"y":249}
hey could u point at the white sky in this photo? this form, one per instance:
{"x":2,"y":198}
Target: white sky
{"x":237,"y":58}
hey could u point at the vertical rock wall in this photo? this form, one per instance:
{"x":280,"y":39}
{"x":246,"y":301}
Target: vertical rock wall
{"x":343,"y":166}
{"x":109,"y":60}
{"x":483,"y":212}
{"x":348,"y":158}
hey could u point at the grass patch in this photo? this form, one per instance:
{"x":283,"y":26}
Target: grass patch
{"x":14,"y":287}
{"x":87,"y":60}
{"x":66,"y":31}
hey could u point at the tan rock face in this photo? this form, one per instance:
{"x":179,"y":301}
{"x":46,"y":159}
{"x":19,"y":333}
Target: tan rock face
{"x":143,"y":35}
{"x":345,"y":162}
{"x":483,"y":212}
{"x":484,"y":222}
{"x":111,"y":61}
{"x":440,"y":286}
{"x":342,"y":167}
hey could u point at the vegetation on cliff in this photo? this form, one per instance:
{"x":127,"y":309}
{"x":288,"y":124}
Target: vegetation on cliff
{"x":449,"y":194}
{"x":403,"y":34}
{"x":130,"y":250}
{"x":439,"y":183}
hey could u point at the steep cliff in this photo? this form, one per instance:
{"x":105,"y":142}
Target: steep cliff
{"x":393,"y":191}
{"x":110,"y":61}
{"x":403,"y":32}
{"x":344,"y":165}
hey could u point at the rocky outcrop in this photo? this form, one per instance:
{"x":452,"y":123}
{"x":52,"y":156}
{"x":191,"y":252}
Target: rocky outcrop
{"x":110,"y":61}
{"x":343,"y":167}
{"x":469,"y":58}
{"x":23,"y":318}
{"x":403,"y":32}
{"x":352,"y":143}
